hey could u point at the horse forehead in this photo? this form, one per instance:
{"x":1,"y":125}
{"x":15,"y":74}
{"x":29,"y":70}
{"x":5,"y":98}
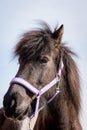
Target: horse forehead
{"x":52,"y":51}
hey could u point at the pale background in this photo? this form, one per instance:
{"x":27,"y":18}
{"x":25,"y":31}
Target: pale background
{"x":19,"y":16}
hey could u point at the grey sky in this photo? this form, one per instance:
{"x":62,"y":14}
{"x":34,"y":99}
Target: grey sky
{"x":19,"y":16}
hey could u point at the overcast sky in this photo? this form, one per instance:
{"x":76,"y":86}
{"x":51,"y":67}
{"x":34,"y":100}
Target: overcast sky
{"x":19,"y":16}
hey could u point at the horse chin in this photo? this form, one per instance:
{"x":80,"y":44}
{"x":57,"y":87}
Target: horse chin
{"x":16,"y":116}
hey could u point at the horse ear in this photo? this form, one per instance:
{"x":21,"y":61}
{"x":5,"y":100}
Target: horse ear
{"x":58,"y":34}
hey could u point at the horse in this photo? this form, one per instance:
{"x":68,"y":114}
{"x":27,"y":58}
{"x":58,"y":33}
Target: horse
{"x":47,"y":83}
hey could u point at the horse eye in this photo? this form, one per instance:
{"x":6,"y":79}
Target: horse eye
{"x":43,"y":60}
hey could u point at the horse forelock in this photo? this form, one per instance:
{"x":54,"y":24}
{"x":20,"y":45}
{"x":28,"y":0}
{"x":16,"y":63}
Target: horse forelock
{"x":32,"y":44}
{"x":35,"y":42}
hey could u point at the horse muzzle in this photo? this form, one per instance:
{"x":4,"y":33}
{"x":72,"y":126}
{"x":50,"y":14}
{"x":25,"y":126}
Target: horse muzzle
{"x":13,"y":107}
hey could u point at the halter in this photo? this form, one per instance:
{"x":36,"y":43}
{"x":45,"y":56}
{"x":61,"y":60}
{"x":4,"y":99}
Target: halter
{"x":39,"y":93}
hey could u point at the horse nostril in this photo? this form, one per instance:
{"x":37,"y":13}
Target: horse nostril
{"x":9,"y":103}
{"x":9,"y":106}
{"x":12,"y":103}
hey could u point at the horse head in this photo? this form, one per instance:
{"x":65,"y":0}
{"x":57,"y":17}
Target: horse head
{"x":39,"y":60}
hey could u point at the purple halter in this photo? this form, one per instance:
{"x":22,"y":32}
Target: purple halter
{"x":23,"y":83}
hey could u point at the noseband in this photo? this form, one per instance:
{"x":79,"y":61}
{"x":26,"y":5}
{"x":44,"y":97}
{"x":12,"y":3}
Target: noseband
{"x":39,"y":93}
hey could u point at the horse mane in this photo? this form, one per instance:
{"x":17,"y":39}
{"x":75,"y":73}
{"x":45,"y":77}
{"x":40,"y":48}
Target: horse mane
{"x":72,"y":76}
